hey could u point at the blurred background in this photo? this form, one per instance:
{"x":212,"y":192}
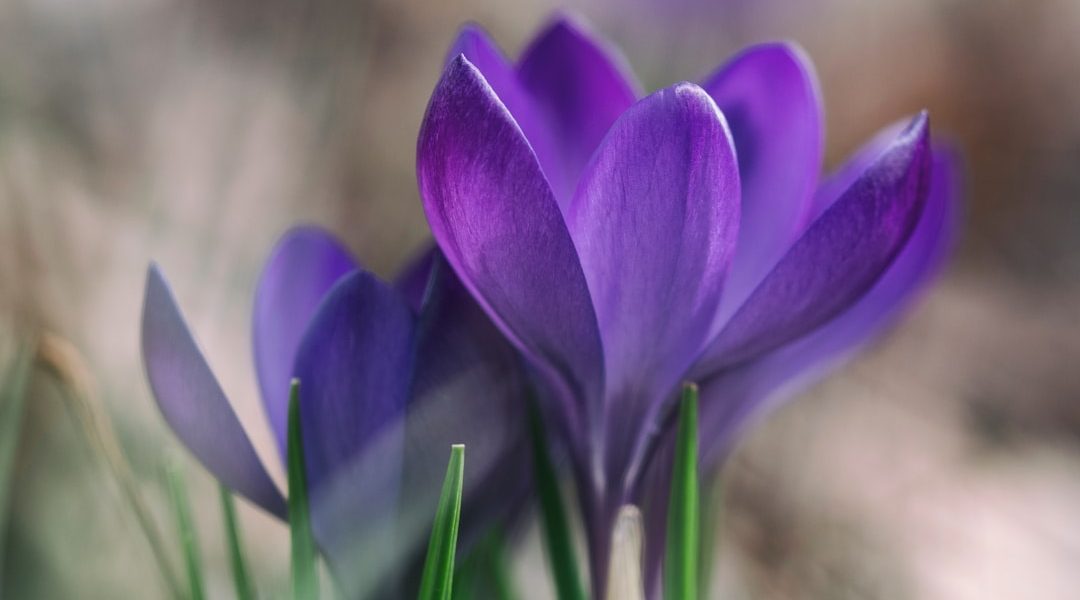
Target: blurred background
{"x":944,"y":463}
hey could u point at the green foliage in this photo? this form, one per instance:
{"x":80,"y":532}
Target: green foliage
{"x":186,"y":529}
{"x":305,"y":573}
{"x":438,"y":579}
{"x":241,"y":579}
{"x":484,"y":573}
{"x":564,"y":566}
{"x":682,"y":552}
{"x":13,"y":390}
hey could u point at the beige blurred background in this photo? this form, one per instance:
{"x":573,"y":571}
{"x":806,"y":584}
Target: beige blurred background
{"x":942,"y":464}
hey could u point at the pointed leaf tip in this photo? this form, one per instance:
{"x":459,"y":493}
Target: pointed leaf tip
{"x":304,"y":570}
{"x":438,"y":578}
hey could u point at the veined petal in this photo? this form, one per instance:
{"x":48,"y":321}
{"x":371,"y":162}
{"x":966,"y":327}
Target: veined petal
{"x":730,"y":399}
{"x":837,"y":259}
{"x":655,"y":220}
{"x":770,"y":97}
{"x":498,"y":224}
{"x":193,"y":402}
{"x":832,"y":187}
{"x":579,"y":87}
{"x":303,"y":266}
{"x":478,"y":48}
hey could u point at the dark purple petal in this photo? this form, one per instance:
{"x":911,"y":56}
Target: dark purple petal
{"x":731,"y":398}
{"x":578,"y":87}
{"x":769,"y":95}
{"x":469,"y":388}
{"x":355,"y":366}
{"x":193,"y":403}
{"x":837,"y":259}
{"x":303,"y":266}
{"x":495,"y":219}
{"x":477,"y":47}
{"x":834,"y":186}
{"x":655,"y":221}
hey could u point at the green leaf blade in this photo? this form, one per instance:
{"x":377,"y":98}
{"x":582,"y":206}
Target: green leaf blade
{"x":438,"y":579}
{"x":683,"y":519}
{"x":186,"y":528}
{"x":557,"y":536}
{"x":241,"y":579}
{"x":305,"y":573}
{"x":13,"y":392}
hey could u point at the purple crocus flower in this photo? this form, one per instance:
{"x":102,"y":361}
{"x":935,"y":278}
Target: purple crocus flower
{"x":389,"y":379}
{"x":625,"y":244}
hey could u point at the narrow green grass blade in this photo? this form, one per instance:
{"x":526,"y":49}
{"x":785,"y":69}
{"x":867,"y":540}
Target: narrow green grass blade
{"x":681,"y":558}
{"x":241,"y":579}
{"x":564,"y":566}
{"x":188,"y":541}
{"x":438,"y":579}
{"x":305,"y":573}
{"x":13,"y":390}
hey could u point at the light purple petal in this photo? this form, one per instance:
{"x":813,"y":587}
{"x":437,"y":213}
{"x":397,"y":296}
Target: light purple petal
{"x":578,"y":87}
{"x":355,"y":366}
{"x":731,"y":398}
{"x":769,"y":95}
{"x":193,"y":403}
{"x":495,"y":219}
{"x":655,"y":221}
{"x":837,"y":259}
{"x":303,"y":266}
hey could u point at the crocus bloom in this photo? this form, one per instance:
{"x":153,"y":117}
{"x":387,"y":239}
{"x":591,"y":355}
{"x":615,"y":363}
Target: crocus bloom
{"x":389,"y":379}
{"x":625,"y":244}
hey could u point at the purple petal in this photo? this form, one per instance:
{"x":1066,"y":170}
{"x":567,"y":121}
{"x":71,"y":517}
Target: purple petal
{"x":469,"y":388}
{"x":578,"y":87}
{"x":412,"y":281}
{"x":477,"y":47}
{"x":355,"y":366}
{"x":655,"y":220}
{"x":193,"y":403}
{"x":769,"y":95}
{"x":731,"y":398}
{"x":495,"y":219}
{"x":834,"y":186}
{"x":838,"y":258}
{"x":303,"y":266}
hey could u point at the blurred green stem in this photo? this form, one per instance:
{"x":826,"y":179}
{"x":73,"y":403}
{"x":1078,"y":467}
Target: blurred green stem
{"x":305,"y":573}
{"x":556,"y":527}
{"x":188,"y":540}
{"x":241,"y":580}
{"x":13,"y":391}
{"x":67,"y":366}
